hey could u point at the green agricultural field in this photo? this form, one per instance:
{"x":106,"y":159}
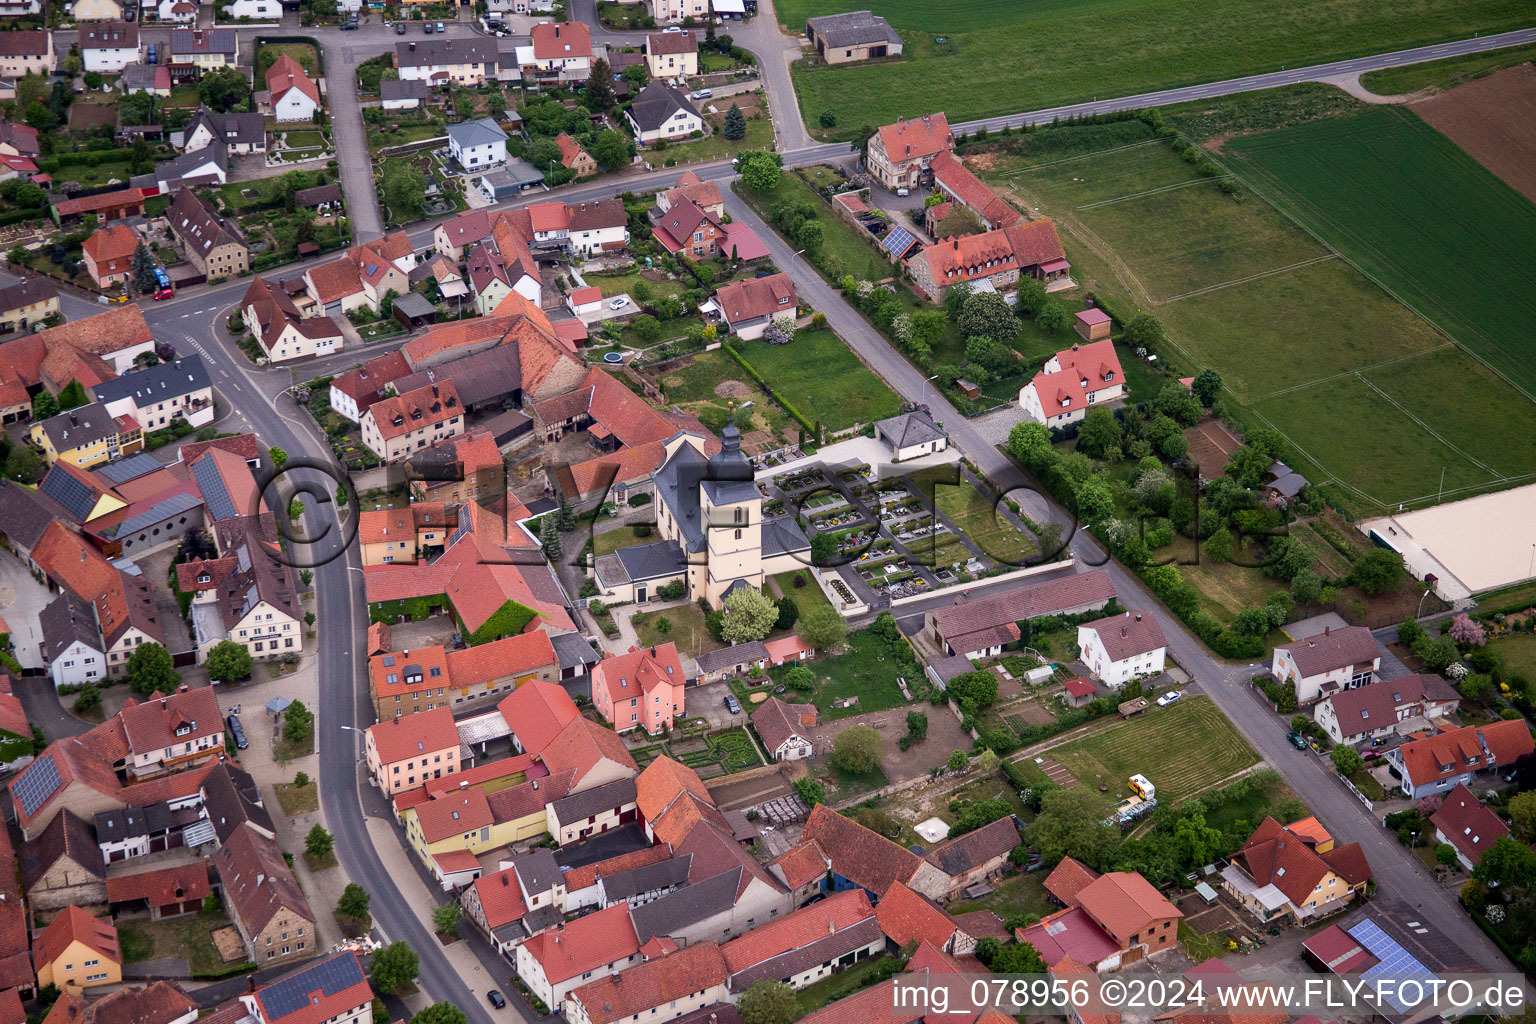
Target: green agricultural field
{"x":1182,"y":749}
{"x":1061,"y":51}
{"x":1444,"y":74}
{"x":820,"y":375}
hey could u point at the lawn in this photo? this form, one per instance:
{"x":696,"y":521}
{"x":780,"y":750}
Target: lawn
{"x":845,"y":246}
{"x":380,"y":138}
{"x":806,"y":597}
{"x":624,"y":284}
{"x":829,"y":990}
{"x":1516,"y":653}
{"x":1138,"y":45}
{"x":1225,"y":588}
{"x":1022,"y":894}
{"x":687,"y":631}
{"x":298,"y":799}
{"x":305,"y":140}
{"x":609,"y":541}
{"x":864,"y":671}
{"x":692,"y":387}
{"x":188,"y":938}
{"x":821,"y":376}
{"x":975,"y":517}
{"x":759,"y":136}
{"x":304,"y":53}
{"x":1444,"y":74}
{"x":1182,"y":749}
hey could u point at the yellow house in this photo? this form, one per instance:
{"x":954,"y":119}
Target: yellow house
{"x":453,"y":823}
{"x":27,"y":302}
{"x":77,"y":951}
{"x":86,"y":436}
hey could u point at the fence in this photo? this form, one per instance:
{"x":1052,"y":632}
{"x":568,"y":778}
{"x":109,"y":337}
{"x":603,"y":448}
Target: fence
{"x":1369,"y":805}
{"x":1007,"y":577}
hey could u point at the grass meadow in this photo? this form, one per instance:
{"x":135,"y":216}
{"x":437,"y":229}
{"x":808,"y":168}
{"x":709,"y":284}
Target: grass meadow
{"x":1001,"y":57}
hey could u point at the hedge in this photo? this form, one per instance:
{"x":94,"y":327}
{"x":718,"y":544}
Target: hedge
{"x":796,"y":414}
{"x":413,"y":608}
{"x":509,"y":620}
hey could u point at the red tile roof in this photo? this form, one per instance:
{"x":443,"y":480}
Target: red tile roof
{"x":561,"y":39}
{"x":585,"y":944}
{"x":537,"y":711}
{"x":652,"y":984}
{"x":587,"y":874}
{"x":858,"y":854}
{"x":177,"y":718}
{"x":1079,"y":687}
{"x":509,"y":656}
{"x":1069,"y":878}
{"x":570,"y":150}
{"x":803,"y":864}
{"x":1507,"y":741}
{"x":956,"y":179}
{"x":111,"y":242}
{"x":1017,"y":247}
{"x":1124,"y":903}
{"x":1128,"y":635}
{"x":257,"y":881}
{"x":454,"y":813}
{"x":1457,"y":751}
{"x":905,"y":916}
{"x":401,"y":739}
{"x":1335,"y":649}
{"x":163,"y":887}
{"x":75,"y":925}
{"x":501,"y":898}
{"x":157,"y":1003}
{"x":1084,"y":370}
{"x":757,"y":297}
{"x":800,"y":928}
{"x":374,"y":525}
{"x":1049,"y":598}
{"x":242,"y":445}
{"x":677,"y":822}
{"x":652,"y":669}
{"x":1275,"y":856}
{"x":777,"y":722}
{"x":662,"y":782}
{"x":581,"y":745}
{"x":365,"y":384}
{"x":1069,"y":933}
{"x":285,"y":74}
{"x":917,"y":138}
{"x":324,"y":984}
{"x":415,"y":410}
{"x":696,"y":190}
{"x":1468,"y":824}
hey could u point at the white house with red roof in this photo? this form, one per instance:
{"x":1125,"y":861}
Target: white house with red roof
{"x":403,"y":753}
{"x":558,"y":52}
{"x":1122,"y":647}
{"x":997,"y":258}
{"x":1071,"y":382}
{"x":585,"y":301}
{"x":748,"y":307}
{"x":1439,"y":763}
{"x":295,"y":96}
{"x":555,"y":962}
{"x":1467,"y":824}
{"x":901,"y":153}
{"x":641,"y":689}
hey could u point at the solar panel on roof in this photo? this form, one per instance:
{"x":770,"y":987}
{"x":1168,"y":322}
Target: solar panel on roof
{"x":34,"y":786}
{"x":71,"y":493}
{"x":328,"y":977}
{"x":131,"y":468}
{"x":220,"y":504}
{"x":898,"y":240}
{"x":1393,"y":960}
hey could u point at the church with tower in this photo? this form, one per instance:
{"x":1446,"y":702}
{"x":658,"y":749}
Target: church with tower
{"x":709,"y":516}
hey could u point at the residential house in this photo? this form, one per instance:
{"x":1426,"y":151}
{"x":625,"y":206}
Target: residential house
{"x":248,"y":595}
{"x":785,"y":728}
{"x":488,"y":278}
{"x":1071,"y":382}
{"x":408,"y":682}
{"x":404,"y":753}
{"x":330,"y":991}
{"x":477,"y":144}
{"x":26,"y":52}
{"x":901,"y":154}
{"x":254,"y":10}
{"x":980,"y":628}
{"x":537,"y":711}
{"x":745,"y":660}
{"x":402,"y":93}
{"x":172,"y":733}
{"x":905,"y":917}
{"x":640,"y":689}
{"x":688,"y":229}
{"x":401,"y":424}
{"x":465,"y":468}
{"x":205,"y":167}
{"x":657,"y":989}
{"x":672,"y":54}
{"x":1442,"y":761}
{"x":63,"y":866}
{"x":747,"y":307}
{"x":977,"y":855}
{"x":574,"y":158}
{"x":703,"y":194}
{"x":556,"y":962}
{"x":806,"y":945}
{"x":295,"y":96}
{"x":454,"y":237}
{"x":803,"y":870}
{"x":284,"y":333}
{"x":242,"y":134}
{"x":1279,"y":873}
{"x":955,"y":181}
{"x":161,"y":1002}
{"x":212,"y":243}
{"x":852,"y":36}
{"x":77,"y":951}
{"x":1383,"y":708}
{"x":911,"y":435}
{"x":124,"y":605}
{"x":109,"y":47}
{"x":662,"y":113}
{"x":1111,"y":920}
{"x":557,"y":53}
{"x":592,"y":811}
{"x":154,"y":79}
{"x":72,"y":647}
{"x":403,"y":536}
{"x":494,"y":903}
{"x":583,"y":884}
{"x":866,"y":860}
{"x":364,"y":276}
{"x":644,"y":884}
{"x":667,"y":12}
{"x":996,"y":258}
{"x":599,"y":226}
{"x":157,"y":395}
{"x":27,"y":302}
{"x":108,"y":255}
{"x":672,"y":799}
{"x":1466,"y":823}
{"x":440,"y":61}
{"x":1122,"y":647}
{"x":166,"y":892}
{"x":18,"y":140}
{"x":85,"y":436}
{"x":728,"y":892}
{"x":360,"y":387}
{"x":266,"y":904}
{"x":205,"y":49}
{"x":1333,"y":660}
{"x":454,"y":827}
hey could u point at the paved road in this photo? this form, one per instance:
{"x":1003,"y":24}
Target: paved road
{"x":350,"y":134}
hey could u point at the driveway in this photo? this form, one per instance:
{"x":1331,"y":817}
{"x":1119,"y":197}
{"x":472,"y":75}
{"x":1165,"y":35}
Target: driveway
{"x":44,"y":710}
{"x":708,"y":701}
{"x":22,"y":600}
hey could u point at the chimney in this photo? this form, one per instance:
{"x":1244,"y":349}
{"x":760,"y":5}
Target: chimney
{"x":504,"y":881}
{"x":250,"y":985}
{"x":1138,"y":616}
{"x":1327,"y":630}
{"x":1125,"y":631}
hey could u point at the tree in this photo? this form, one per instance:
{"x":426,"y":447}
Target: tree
{"x":1377,"y":571}
{"x":353,"y":904}
{"x":1030,"y":296}
{"x":974,"y":691}
{"x":761,"y":171}
{"x":1306,"y":587}
{"x":823,"y":548}
{"x":959,"y":222}
{"x":823,"y":628}
{"x":150,"y":668}
{"x":140,"y":159}
{"x":1053,"y":317}
{"x":394,"y":968}
{"x":1436,"y":652}
{"x":810,"y":237}
{"x":73,"y":396}
{"x":496,"y":102}
{"x":229,"y":662}
{"x":1346,"y":759}
{"x":224,"y":89}
{"x":1175,"y":402}
{"x":445,"y":916}
{"x":781,"y":329}
{"x":444,"y":1013}
{"x":637,"y":75}
{"x":405,"y":189}
{"x":647,"y":328}
{"x":23,"y":465}
{"x":1219,"y":547}
{"x":988,"y":316}
{"x":800,"y":678}
{"x":19,"y":256}
{"x":810,"y":791}
{"x":1445,"y":855}
{"x":1465,"y":631}
{"x":1099,"y":434}
{"x":858,"y":749}
{"x":1206,"y":386}
{"x":917,"y":726}
{"x":44,"y":405}
{"x":1144,"y":331}
{"x":87,"y":699}
{"x":1522,"y":812}
{"x":142,"y":267}
{"x":1018,"y":958}
{"x":610,"y":149}
{"x":735,"y":124}
{"x":749,"y":616}
{"x":789,"y":613}
{"x":958,"y":762}
{"x":600,"y":86}
{"x":298,"y":723}
{"x":278,"y":456}
{"x":1030,"y":443}
{"x":549,"y":538}
{"x":768,"y":1002}
{"x":1071,"y":824}
{"x":319,"y":843}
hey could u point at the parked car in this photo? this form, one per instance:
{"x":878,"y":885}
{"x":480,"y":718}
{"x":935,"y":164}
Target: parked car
{"x":151,"y":53}
{"x":1297,"y":740}
{"x":618,"y":303}
{"x":497,"y":999}
{"x":237,"y":732}
{"x":903,"y":191}
{"x":427,"y":28}
{"x":350,"y":26}
{"x":732,"y":704}
{"x":703,"y":94}
{"x":440,"y":27}
{"x":399,"y":28}
{"x":1168,"y":698}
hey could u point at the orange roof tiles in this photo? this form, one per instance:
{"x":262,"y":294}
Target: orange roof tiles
{"x":1018,"y":246}
{"x":286,"y":73}
{"x":859,"y":855}
{"x":905,"y":916}
{"x":1069,"y":878}
{"x":955,"y":178}
{"x":587,"y":874}
{"x":454,"y":813}
{"x":561,"y":39}
{"x":501,"y":898}
{"x":675,"y":823}
{"x":800,"y":928}
{"x":75,"y":925}
{"x":537,"y":711}
{"x":1124,"y":903}
{"x":586,"y":944}
{"x":802,"y":864}
{"x":662,"y":782}
{"x":654,"y":983}
{"x":164,"y":887}
{"x":581,"y":745}
{"x":401,"y":739}
{"x":916,"y":139}
{"x":509,"y":656}
{"x":428,"y":405}
{"x":1084,"y":369}
{"x":111,"y":242}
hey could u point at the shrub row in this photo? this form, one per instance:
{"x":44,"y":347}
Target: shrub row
{"x":796,"y":414}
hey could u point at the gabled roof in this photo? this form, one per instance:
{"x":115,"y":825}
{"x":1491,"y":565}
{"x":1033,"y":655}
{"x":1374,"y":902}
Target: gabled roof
{"x":802,"y":864}
{"x":1049,"y":598}
{"x":66,"y":836}
{"x":643,"y":670}
{"x":212,"y":40}
{"x":285,"y":74}
{"x":656,"y":104}
{"x":756,"y":297}
{"x":1124,"y":903}
{"x":777,"y":722}
{"x":671,"y":42}
{"x":770,"y":949}
{"x":652,"y":984}
{"x":1332,"y":650}
{"x":1069,"y":878}
{"x":319,"y":992}
{"x":973,"y":849}
{"x":231,"y":799}
{"x":537,"y":711}
{"x":916,"y":139}
{"x":111,"y":242}
{"x":437,"y":51}
{"x":1017,"y":246}
{"x":696,"y":190}
{"x":662,"y":782}
{"x":588,"y":874}
{"x":581,"y":745}
{"x":1470,"y":748}
{"x":1273,"y":855}
{"x":109,"y":36}
{"x":674,"y":913}
{"x":160,"y":721}
{"x":570,"y":150}
{"x":416,"y":410}
{"x":256,"y":880}
{"x":161,"y":887}
{"x":858,"y":854}
{"x":198,"y":225}
{"x":1128,"y":635}
{"x":157,"y":1003}
{"x":75,"y":925}
{"x":365,"y":384}
{"x":853,"y":28}
{"x":956,"y":179}
{"x":401,"y":739}
{"x":1375,"y":706}
{"x":559,"y":40}
{"x":906,"y":917}
{"x":585,"y":944}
